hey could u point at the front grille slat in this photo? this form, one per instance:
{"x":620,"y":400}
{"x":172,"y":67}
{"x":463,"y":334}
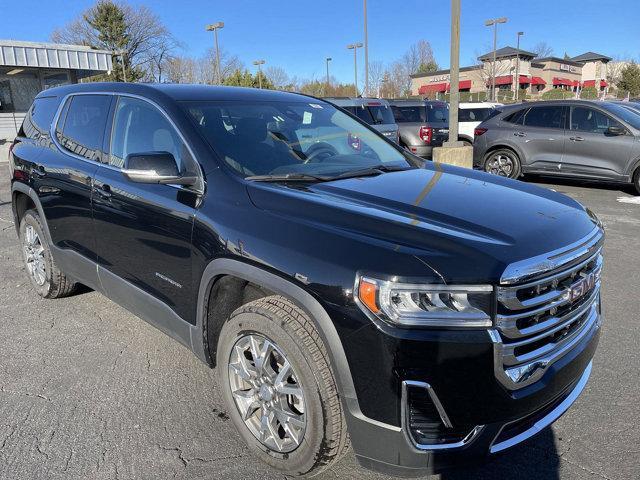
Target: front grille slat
{"x":538,"y":321}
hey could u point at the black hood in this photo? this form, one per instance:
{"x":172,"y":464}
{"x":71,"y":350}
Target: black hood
{"x":437,"y":213}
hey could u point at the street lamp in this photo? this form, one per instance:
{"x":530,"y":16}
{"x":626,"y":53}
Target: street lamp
{"x":215,"y":27}
{"x":327,"y":60}
{"x":518,"y":65}
{"x":494,"y":22}
{"x":258,"y":63}
{"x":355,"y":47}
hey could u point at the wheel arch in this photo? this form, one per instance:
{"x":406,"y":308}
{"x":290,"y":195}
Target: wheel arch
{"x":463,"y":137}
{"x":271,"y":282}
{"x":23,"y":198}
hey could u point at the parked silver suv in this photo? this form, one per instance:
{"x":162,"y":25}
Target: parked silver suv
{"x":571,"y":138}
{"x":373,"y":111}
{"x":423,"y":124}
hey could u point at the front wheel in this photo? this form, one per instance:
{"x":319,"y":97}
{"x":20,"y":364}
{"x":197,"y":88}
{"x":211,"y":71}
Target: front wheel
{"x":279,"y":389}
{"x":502,"y":162}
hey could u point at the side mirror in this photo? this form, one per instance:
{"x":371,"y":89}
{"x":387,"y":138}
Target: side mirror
{"x":154,"y":167}
{"x":615,"y":131}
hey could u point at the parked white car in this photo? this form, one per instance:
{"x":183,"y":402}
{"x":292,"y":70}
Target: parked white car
{"x":470,"y":115}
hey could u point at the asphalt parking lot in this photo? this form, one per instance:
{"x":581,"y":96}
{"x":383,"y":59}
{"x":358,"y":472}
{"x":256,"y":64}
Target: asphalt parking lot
{"x":89,"y":391}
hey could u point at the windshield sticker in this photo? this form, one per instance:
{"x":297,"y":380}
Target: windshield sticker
{"x":315,"y":105}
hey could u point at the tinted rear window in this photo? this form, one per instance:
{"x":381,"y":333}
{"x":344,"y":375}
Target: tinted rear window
{"x":38,"y":120}
{"x":437,"y":112}
{"x":475,"y":114}
{"x":407,"y":114}
{"x":81,"y":131}
{"x":373,"y":114}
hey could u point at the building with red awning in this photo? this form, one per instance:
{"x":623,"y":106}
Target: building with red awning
{"x":536,"y":75}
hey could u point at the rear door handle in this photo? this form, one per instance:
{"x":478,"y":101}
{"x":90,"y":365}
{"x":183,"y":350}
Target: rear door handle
{"x":577,"y":139}
{"x":520,"y":134}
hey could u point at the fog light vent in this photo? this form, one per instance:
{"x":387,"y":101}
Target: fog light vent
{"x":426,"y":419}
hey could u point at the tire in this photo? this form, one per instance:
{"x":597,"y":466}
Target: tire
{"x":47,"y":279}
{"x":636,"y":181}
{"x":323,"y":439}
{"x":502,"y":162}
{"x":466,"y":143}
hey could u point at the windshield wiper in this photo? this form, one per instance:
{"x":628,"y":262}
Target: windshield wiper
{"x":288,"y":177}
{"x":369,"y":171}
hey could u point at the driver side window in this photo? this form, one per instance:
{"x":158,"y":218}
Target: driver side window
{"x":140,"y":127}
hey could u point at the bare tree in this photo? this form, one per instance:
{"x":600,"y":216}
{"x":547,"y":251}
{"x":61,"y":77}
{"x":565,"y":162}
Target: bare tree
{"x":615,"y":67}
{"x":542,"y":49}
{"x":278,"y":77}
{"x":418,"y":58}
{"x":206,"y":66}
{"x":376,"y":76}
{"x":142,"y":36}
{"x":181,"y":70}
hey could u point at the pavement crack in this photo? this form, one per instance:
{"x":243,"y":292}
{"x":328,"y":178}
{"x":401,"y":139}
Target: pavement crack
{"x":588,"y":470}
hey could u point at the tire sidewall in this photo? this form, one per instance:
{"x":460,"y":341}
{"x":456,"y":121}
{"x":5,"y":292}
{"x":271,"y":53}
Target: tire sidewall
{"x":517,"y":169}
{"x":31,"y":218}
{"x":636,"y":181}
{"x":303,"y":458}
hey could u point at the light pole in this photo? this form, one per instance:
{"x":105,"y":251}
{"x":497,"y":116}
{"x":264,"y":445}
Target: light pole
{"x":494,"y":22}
{"x":215,"y":27}
{"x":259,"y":63}
{"x":122,"y":53}
{"x":518,"y":65}
{"x":326,"y":87}
{"x":454,"y":77}
{"x":355,"y":47}
{"x":366,"y":52}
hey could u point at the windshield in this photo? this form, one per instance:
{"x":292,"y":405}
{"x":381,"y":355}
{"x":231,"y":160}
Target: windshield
{"x":282,"y":138}
{"x":626,"y":114}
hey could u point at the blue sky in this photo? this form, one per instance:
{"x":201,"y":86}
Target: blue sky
{"x":298,"y":34}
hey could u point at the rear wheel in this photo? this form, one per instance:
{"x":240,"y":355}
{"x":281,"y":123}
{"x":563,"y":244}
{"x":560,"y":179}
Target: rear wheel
{"x":280,"y":392}
{"x":503,"y":162}
{"x":47,"y":279}
{"x":636,"y":181}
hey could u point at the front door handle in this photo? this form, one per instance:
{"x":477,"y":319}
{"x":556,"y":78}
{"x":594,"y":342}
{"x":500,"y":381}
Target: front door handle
{"x":520,"y":134}
{"x":576,"y":139}
{"x":103,"y":191}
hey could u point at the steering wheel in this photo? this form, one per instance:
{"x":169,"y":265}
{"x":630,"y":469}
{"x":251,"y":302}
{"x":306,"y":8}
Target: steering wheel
{"x":320,"y":152}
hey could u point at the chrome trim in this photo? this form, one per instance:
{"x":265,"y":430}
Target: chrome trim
{"x":443,"y":416}
{"x":539,"y":361}
{"x":54,"y":139}
{"x":545,"y":421}
{"x":530,"y":268}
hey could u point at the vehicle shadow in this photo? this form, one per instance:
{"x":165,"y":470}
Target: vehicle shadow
{"x":537,"y":458}
{"x":549,"y":182}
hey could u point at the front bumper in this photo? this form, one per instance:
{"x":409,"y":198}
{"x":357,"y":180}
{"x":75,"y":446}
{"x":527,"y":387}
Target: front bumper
{"x":498,"y":419}
{"x":410,"y":459}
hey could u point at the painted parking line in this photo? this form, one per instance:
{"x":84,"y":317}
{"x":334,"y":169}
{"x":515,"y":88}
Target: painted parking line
{"x":633,"y":200}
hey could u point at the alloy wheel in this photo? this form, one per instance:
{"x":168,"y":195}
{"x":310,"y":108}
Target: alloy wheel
{"x":34,"y":255}
{"x":267,"y":393}
{"x":500,"y":164}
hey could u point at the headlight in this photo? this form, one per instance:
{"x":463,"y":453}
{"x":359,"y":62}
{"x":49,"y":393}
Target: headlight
{"x":417,"y":305}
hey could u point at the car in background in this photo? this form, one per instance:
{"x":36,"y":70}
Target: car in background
{"x":422,"y":124}
{"x":470,"y":115}
{"x":575,"y":138}
{"x":373,"y":111}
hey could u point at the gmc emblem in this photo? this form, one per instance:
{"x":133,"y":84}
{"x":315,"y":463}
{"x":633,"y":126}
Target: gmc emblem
{"x":580,"y":288}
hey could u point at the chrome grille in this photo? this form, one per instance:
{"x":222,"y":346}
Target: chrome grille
{"x":547,"y":311}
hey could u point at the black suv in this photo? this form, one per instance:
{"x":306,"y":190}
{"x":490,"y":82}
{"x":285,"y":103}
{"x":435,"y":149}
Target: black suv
{"x":354,"y":298}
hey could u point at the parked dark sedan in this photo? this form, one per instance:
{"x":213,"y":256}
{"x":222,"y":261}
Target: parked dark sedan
{"x":571,"y":138}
